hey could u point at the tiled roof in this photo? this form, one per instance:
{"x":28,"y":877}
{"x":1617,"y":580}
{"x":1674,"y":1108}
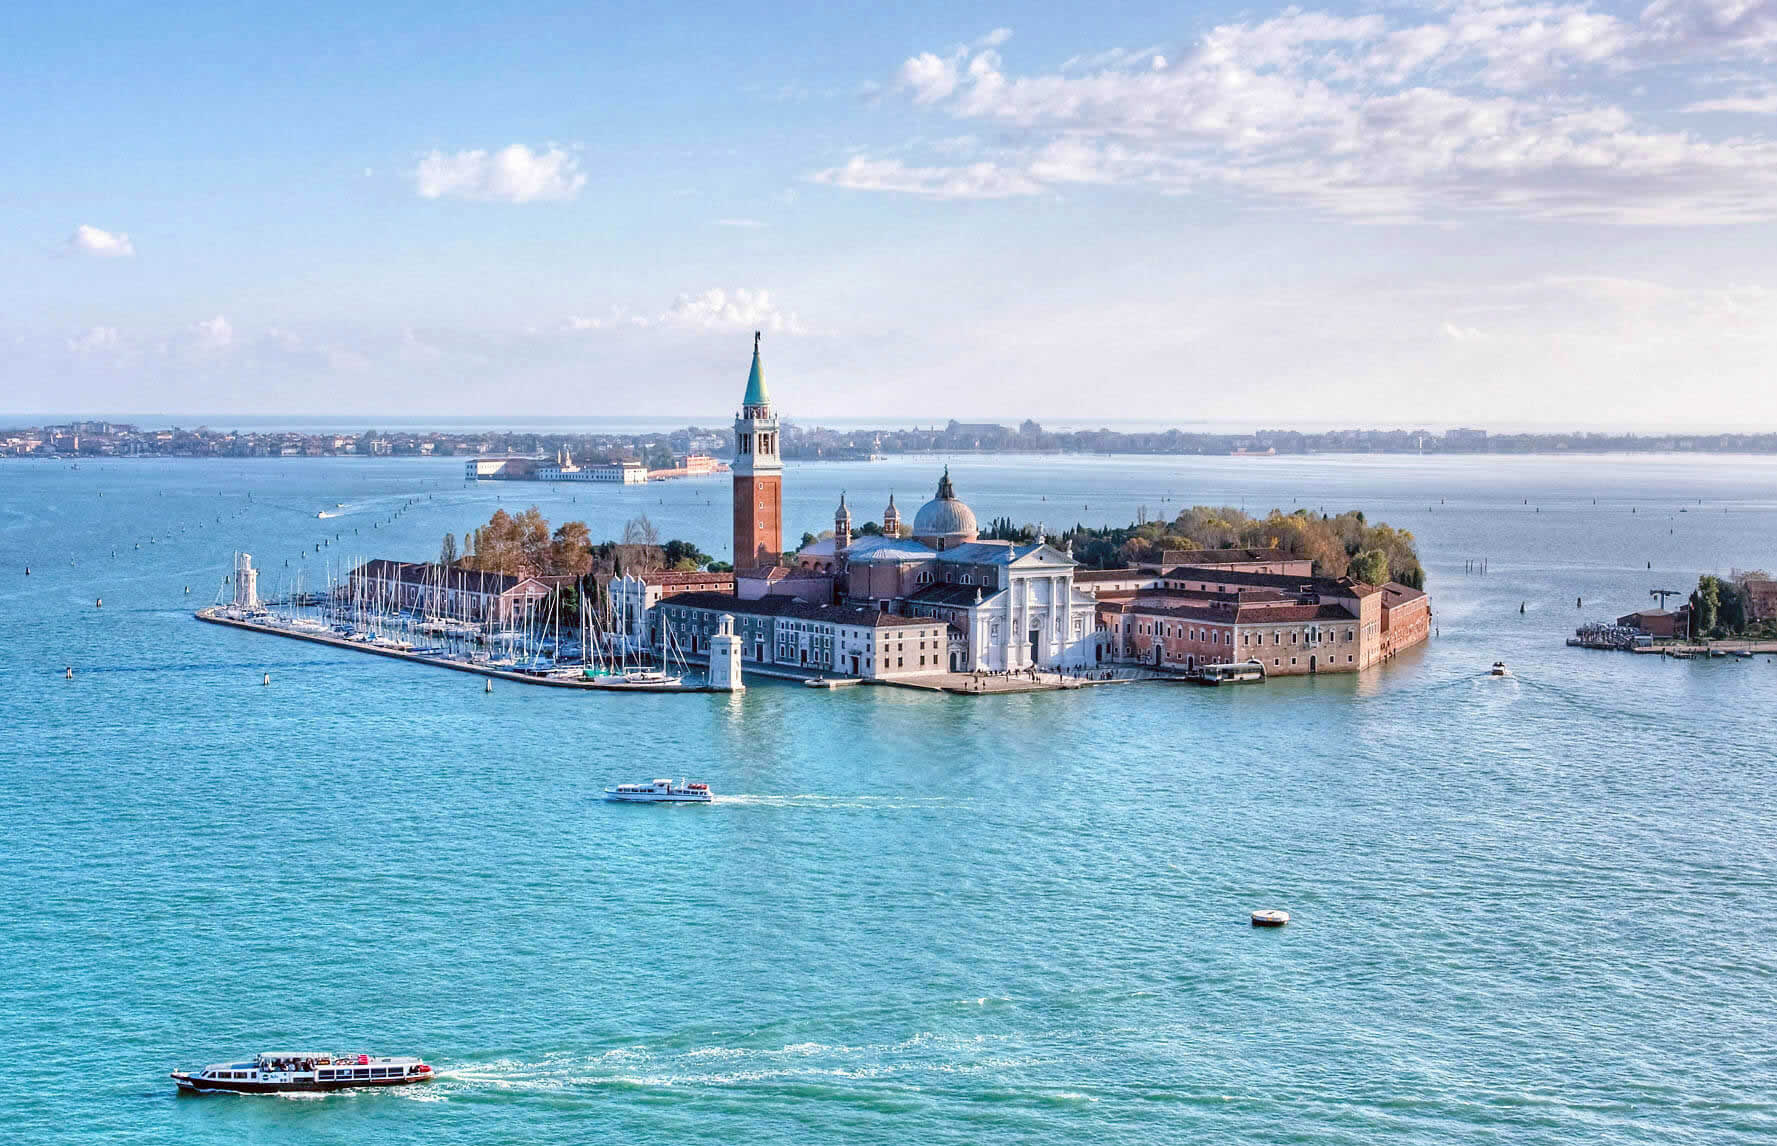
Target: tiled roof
{"x":1093,"y":575}
{"x":1004,"y":553}
{"x":1328,"y":586}
{"x":1395,"y":594}
{"x":686,"y":577}
{"x":794,"y":608}
{"x":888,"y":549}
{"x":948,"y":594}
{"x":1208,"y":557}
{"x":1230,"y":614}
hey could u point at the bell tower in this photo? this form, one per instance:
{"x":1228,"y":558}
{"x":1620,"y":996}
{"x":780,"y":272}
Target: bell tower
{"x":841,"y":525}
{"x":758,"y":477}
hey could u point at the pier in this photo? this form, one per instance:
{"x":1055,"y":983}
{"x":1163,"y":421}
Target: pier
{"x":218,"y":615}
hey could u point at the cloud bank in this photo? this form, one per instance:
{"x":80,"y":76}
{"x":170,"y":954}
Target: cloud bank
{"x":1487,"y":107}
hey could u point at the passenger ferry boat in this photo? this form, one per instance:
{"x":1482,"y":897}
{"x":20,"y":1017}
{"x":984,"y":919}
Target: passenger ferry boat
{"x":659,"y":792}
{"x":303,"y":1072}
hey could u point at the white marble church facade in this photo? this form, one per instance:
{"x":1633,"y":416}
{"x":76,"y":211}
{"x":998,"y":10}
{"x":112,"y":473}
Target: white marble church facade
{"x":1007,"y":606}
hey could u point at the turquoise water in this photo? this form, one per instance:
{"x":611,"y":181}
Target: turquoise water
{"x":1541,"y":909}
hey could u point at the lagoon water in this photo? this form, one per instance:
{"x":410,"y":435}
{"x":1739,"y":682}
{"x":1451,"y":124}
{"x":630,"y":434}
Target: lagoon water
{"x":1541,"y":909}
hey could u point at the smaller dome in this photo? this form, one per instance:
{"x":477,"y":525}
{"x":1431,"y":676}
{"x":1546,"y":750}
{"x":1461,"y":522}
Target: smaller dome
{"x":945,"y":520}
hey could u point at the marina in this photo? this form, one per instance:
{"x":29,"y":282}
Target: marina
{"x":570,"y":678}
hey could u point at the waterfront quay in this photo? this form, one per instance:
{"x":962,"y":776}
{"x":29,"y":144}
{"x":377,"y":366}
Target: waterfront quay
{"x":961,"y":684}
{"x":221,"y":615}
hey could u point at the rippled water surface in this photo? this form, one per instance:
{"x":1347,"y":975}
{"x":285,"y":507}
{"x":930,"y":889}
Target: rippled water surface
{"x":1534,"y":909}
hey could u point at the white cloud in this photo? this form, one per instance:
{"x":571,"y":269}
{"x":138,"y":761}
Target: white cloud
{"x":713,"y":309}
{"x":1461,"y":333}
{"x":929,"y":77}
{"x":747,"y":223}
{"x":102,"y":244}
{"x":97,"y":340}
{"x":1751,"y":101}
{"x":1748,"y":26}
{"x":513,"y":174}
{"x":619,"y":317}
{"x":1470,"y":110}
{"x":213,"y":334}
{"x":741,"y":309}
{"x":969,"y":181}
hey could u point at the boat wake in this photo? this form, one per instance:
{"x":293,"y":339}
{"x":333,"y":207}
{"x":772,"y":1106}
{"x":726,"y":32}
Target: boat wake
{"x":812,"y":800}
{"x":921,"y":1060}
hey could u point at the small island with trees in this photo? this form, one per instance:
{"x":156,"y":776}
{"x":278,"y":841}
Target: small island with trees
{"x":1736,"y":614}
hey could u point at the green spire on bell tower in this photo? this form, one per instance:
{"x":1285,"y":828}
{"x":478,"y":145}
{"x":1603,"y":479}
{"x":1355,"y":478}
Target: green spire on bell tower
{"x":756,"y":393}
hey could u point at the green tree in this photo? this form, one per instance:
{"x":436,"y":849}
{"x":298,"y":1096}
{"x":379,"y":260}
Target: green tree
{"x":570,"y":550}
{"x":683,"y":555}
{"x":1370,"y":567}
{"x":447,"y":551}
{"x":1706,"y":605}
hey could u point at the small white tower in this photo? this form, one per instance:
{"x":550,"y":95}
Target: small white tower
{"x":725,"y":657}
{"x":246,"y":582}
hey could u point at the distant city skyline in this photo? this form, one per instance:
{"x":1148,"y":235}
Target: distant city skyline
{"x":321,"y":422}
{"x":1512,"y":217}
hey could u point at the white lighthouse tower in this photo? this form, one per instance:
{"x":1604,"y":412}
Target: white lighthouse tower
{"x":725,"y":657}
{"x":246,"y":582}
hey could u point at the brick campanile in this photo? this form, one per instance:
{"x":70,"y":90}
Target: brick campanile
{"x":758,"y":477}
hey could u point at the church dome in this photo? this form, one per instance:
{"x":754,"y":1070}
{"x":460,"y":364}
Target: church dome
{"x":945,"y":521}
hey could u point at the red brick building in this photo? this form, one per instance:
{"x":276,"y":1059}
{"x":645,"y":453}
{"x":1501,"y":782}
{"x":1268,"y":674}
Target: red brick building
{"x":1660,"y":622}
{"x":1190,"y":617}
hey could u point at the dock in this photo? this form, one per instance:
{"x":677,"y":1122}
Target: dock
{"x":215,"y":615}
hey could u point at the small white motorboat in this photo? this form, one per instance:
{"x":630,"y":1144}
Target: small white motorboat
{"x":659,"y":792}
{"x":1499,"y":669}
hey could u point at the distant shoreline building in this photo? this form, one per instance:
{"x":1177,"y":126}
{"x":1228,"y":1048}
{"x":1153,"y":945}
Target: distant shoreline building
{"x":563,"y":468}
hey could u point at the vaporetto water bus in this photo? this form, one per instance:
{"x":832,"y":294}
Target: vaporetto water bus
{"x":659,"y":792}
{"x":280,"y":1073}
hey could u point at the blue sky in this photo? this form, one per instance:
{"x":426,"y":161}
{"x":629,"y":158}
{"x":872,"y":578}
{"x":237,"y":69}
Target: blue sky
{"x":1492,"y":213}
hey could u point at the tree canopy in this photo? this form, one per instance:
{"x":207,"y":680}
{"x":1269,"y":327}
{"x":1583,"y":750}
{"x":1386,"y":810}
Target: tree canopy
{"x":523,"y":544}
{"x":1335,"y":544}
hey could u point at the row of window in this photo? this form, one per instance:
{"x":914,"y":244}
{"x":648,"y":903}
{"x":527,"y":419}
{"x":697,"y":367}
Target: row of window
{"x":1220,"y":636}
